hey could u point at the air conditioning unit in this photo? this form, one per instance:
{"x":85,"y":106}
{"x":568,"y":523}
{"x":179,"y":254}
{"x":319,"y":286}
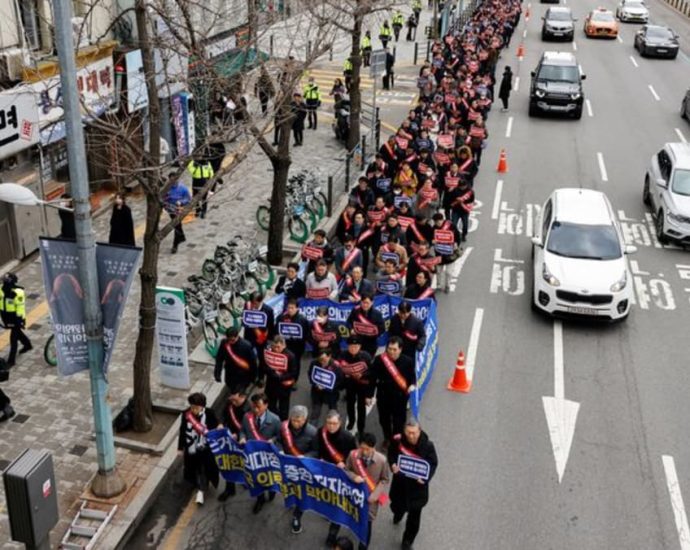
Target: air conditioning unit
{"x":80,"y":32}
{"x":11,"y":63}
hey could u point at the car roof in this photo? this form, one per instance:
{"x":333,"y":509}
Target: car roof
{"x":681,"y":154}
{"x":582,"y":206}
{"x":658,"y":27}
{"x":558,"y":58}
{"x":559,"y":9}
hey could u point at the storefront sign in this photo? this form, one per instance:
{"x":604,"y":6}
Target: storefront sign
{"x":18,"y":121}
{"x":137,"y":97}
{"x":170,"y":65}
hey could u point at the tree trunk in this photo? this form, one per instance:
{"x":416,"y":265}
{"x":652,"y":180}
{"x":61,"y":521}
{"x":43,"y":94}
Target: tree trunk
{"x":355,"y":90}
{"x":148,"y":274}
{"x":252,"y":21}
{"x":281,"y":168}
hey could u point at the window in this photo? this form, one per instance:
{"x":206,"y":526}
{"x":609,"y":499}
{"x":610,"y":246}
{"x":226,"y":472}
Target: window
{"x":31,"y":28}
{"x":546,"y":219}
{"x":664,"y":165}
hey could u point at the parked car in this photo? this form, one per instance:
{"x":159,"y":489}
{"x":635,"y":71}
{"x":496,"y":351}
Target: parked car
{"x":558,"y":24}
{"x":667,"y":192}
{"x":685,"y":106}
{"x":657,"y":41}
{"x":580,"y":259}
{"x":557,"y":85}
{"x":632,"y":11}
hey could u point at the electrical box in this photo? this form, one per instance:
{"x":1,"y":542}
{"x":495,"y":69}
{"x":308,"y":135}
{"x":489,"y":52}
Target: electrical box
{"x":31,"y":496}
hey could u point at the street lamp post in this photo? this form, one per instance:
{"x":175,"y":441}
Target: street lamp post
{"x":107,"y":482}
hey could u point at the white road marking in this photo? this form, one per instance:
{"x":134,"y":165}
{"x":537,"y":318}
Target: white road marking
{"x":456,"y":268}
{"x":580,"y":68}
{"x":497,"y":200}
{"x":680,"y":135}
{"x":524,"y":33}
{"x":516,"y":84}
{"x":474,"y":342}
{"x":634,"y":61}
{"x":558,"y":364}
{"x":589,"y":107}
{"x":602,"y":167}
{"x":676,"y":502}
{"x":618,"y":37}
{"x":509,"y":127}
{"x":574,"y":45}
{"x":656,"y":96}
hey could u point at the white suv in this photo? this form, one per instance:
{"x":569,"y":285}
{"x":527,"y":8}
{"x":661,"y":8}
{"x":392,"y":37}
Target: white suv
{"x":667,"y":192}
{"x":580,"y":264}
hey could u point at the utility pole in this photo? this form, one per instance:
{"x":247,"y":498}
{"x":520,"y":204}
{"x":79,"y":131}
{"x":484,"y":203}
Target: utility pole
{"x":107,"y":482}
{"x":434,"y":21}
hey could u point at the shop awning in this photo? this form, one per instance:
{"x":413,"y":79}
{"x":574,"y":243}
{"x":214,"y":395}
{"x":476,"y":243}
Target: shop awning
{"x":238,"y":61}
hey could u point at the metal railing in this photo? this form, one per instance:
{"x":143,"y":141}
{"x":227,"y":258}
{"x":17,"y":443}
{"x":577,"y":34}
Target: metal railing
{"x":354,"y":163}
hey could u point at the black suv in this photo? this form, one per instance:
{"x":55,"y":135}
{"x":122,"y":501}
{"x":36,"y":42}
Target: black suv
{"x":557,"y":85}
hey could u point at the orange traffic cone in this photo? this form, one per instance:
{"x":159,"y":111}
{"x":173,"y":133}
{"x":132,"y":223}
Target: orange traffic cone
{"x":521,"y":51}
{"x":502,"y":167}
{"x":459,"y":382}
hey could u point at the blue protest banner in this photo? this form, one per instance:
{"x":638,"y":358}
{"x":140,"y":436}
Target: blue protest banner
{"x":262,"y":466}
{"x":426,"y":359}
{"x":229,"y":455}
{"x":323,"y":378}
{"x":416,"y":468}
{"x":290,"y":330}
{"x":254,"y":319}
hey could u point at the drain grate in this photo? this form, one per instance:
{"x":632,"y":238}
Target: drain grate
{"x":214,"y":223}
{"x":171,"y":273}
{"x":20,"y":418}
{"x":4,"y":464}
{"x":33,"y":295}
{"x":78,"y":450}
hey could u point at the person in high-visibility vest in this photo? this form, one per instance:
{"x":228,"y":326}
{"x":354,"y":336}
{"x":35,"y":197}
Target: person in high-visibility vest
{"x":417,"y":8}
{"x":312,"y":98}
{"x":385,"y":34}
{"x":347,"y":73}
{"x":398,"y":22}
{"x":201,"y":171}
{"x":13,"y":315}
{"x":366,"y":49}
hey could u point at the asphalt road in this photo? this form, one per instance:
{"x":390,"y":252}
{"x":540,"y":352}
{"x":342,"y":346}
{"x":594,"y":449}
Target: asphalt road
{"x":497,"y":486}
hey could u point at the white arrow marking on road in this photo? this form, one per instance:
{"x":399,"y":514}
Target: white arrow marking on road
{"x":680,"y":135}
{"x":474,"y":342}
{"x":497,"y":200}
{"x":454,"y":275}
{"x":589,"y":107}
{"x":634,"y":61}
{"x":602,"y":167}
{"x":656,"y":96}
{"x":561,"y":413}
{"x":516,"y":86}
{"x":676,"y":502}
{"x":509,"y":127}
{"x":574,"y":45}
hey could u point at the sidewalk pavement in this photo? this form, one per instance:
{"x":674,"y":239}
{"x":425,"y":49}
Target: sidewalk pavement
{"x":54,"y":413}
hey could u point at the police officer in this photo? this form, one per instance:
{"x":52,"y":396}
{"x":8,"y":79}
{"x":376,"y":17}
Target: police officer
{"x":409,"y":328}
{"x":233,"y":415}
{"x":347,"y":73}
{"x":237,"y":358}
{"x":385,"y":34}
{"x":410,"y":494}
{"x":366,"y":49}
{"x":312,"y":98}
{"x":416,"y":8}
{"x":398,"y":22}
{"x":201,"y":171}
{"x":13,"y":315}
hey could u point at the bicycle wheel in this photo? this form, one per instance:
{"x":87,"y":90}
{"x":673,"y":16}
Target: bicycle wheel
{"x":310,"y":218}
{"x":323,"y":199}
{"x":50,"y":352}
{"x":314,"y":204}
{"x":263,"y":217}
{"x":251,"y":284}
{"x":264,"y":273}
{"x":226,"y":319}
{"x":211,"y":337}
{"x":236,"y":304}
{"x":209,"y":270}
{"x":299,"y":232}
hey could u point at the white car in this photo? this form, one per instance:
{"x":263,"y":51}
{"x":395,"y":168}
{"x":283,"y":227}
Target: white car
{"x":633,"y":11}
{"x":667,"y":192}
{"x":580,"y":263}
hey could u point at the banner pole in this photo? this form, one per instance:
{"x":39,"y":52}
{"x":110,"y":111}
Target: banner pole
{"x":107,"y":482}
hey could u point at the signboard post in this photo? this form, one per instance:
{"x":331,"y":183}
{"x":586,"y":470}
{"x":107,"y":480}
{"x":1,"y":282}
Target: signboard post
{"x":376,"y":69}
{"x":171,"y":334}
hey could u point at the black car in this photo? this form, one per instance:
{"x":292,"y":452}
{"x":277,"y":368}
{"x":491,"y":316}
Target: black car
{"x":557,"y":85}
{"x":657,"y":41}
{"x":559,"y":24}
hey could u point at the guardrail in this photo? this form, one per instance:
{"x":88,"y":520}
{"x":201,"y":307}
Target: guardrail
{"x":681,"y":5}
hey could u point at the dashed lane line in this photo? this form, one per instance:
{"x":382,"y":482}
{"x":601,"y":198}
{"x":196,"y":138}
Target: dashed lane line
{"x":509,"y":127}
{"x":497,"y":200}
{"x":574,"y":46}
{"x":602,"y":167}
{"x":454,"y":275}
{"x":634,"y":61}
{"x":680,"y":135}
{"x":474,"y":342}
{"x":618,"y":37}
{"x":651,"y":89}
{"x":679,"y":514}
{"x":588,"y":104}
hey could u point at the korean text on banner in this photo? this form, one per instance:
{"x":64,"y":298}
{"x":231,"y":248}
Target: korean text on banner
{"x":426,"y":359}
{"x":171,"y":333}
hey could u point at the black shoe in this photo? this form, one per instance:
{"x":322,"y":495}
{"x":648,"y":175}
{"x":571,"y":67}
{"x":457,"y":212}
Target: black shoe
{"x":7,"y":413}
{"x":258,"y":505}
{"x":349,"y":426}
{"x":9,"y":363}
{"x":296,"y":526}
{"x":397,"y":518}
{"x":406,"y":545}
{"x":174,"y":250}
{"x":26,"y":349}
{"x":271,"y":496}
{"x":229,"y":492}
{"x":330,"y":541}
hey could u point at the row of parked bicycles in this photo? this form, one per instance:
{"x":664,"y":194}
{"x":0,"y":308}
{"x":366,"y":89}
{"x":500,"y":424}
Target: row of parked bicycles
{"x":305,"y":206}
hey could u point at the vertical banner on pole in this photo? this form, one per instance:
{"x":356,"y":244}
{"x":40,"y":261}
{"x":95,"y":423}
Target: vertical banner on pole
{"x":171,"y":335}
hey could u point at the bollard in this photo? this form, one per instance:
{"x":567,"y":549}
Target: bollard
{"x":363,"y":163}
{"x":270,"y":46}
{"x":348,"y":158}
{"x":329,"y":206}
{"x":378,"y":129}
{"x":416,"y":48}
{"x":330,"y":53}
{"x":428,"y":50}
{"x":308,"y":49}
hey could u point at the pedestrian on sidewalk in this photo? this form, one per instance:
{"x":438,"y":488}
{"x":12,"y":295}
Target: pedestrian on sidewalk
{"x":385,"y":34}
{"x":199,"y":465}
{"x":176,"y":199}
{"x":398,"y":22}
{"x":366,"y":49}
{"x":347,"y":73}
{"x":412,"y":28}
{"x":264,"y":89}
{"x":121,"y":223}
{"x":68,"y":229}
{"x":299,"y":112}
{"x":13,"y":315}
{"x":410,"y":494}
{"x":312,"y":98}
{"x":338,"y":88}
{"x":389,"y":75}
{"x":506,"y":87}
{"x":201,"y":171}
{"x":6,"y":410}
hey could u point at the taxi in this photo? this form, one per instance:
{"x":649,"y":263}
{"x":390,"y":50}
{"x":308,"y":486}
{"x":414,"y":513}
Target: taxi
{"x":601,"y":23}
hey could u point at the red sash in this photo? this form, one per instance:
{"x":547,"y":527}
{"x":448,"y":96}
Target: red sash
{"x":404,"y":450}
{"x":422,"y":168}
{"x":241,"y":363}
{"x":364,"y":326}
{"x":351,"y":285}
{"x":336,"y":457}
{"x":276,"y":361}
{"x":405,"y":221}
{"x":349,"y":369}
{"x":416,"y":232}
{"x":347,"y":220}
{"x":452,"y":182}
{"x":318,"y":293}
{"x":233,"y":418}
{"x":467,"y":207}
{"x":312,"y":252}
{"x":390,"y":149}
{"x":427,"y":197}
{"x":288,"y":439}
{"x":427,"y":263}
{"x":376,"y":216}
{"x":362,"y":471}
{"x":465,"y":165}
{"x":198,"y":426}
{"x":410,"y":335}
{"x":352,"y":255}
{"x":394,"y":372}
{"x":365,"y":235}
{"x":251,"y":420}
{"x":321,"y":335}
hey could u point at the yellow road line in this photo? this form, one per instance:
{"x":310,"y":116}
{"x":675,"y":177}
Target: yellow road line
{"x":172,"y":541}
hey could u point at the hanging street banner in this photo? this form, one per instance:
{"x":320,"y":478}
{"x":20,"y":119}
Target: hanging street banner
{"x":308,"y":483}
{"x":171,"y":335}
{"x":115,"y":266}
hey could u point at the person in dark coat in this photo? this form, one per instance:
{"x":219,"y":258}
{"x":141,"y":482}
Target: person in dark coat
{"x":290,"y":284}
{"x":237,"y":359}
{"x":121,"y":223}
{"x":68,"y":229}
{"x":299,"y":113}
{"x":199,"y":465}
{"x":408,"y":494}
{"x":232,"y":417}
{"x":409,"y":328}
{"x":506,"y":87}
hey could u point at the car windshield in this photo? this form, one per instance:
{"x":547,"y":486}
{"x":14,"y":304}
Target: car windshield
{"x":659,"y":32}
{"x":681,"y":182}
{"x":589,"y":242}
{"x":602,"y":16}
{"x":634,"y":5}
{"x":558,"y":16}
{"x":562,"y":73}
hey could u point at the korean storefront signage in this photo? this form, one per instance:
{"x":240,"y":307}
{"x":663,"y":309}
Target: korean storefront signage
{"x":18,"y":121}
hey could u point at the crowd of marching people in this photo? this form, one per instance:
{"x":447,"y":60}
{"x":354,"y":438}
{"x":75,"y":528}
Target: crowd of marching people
{"x":404,"y":225}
